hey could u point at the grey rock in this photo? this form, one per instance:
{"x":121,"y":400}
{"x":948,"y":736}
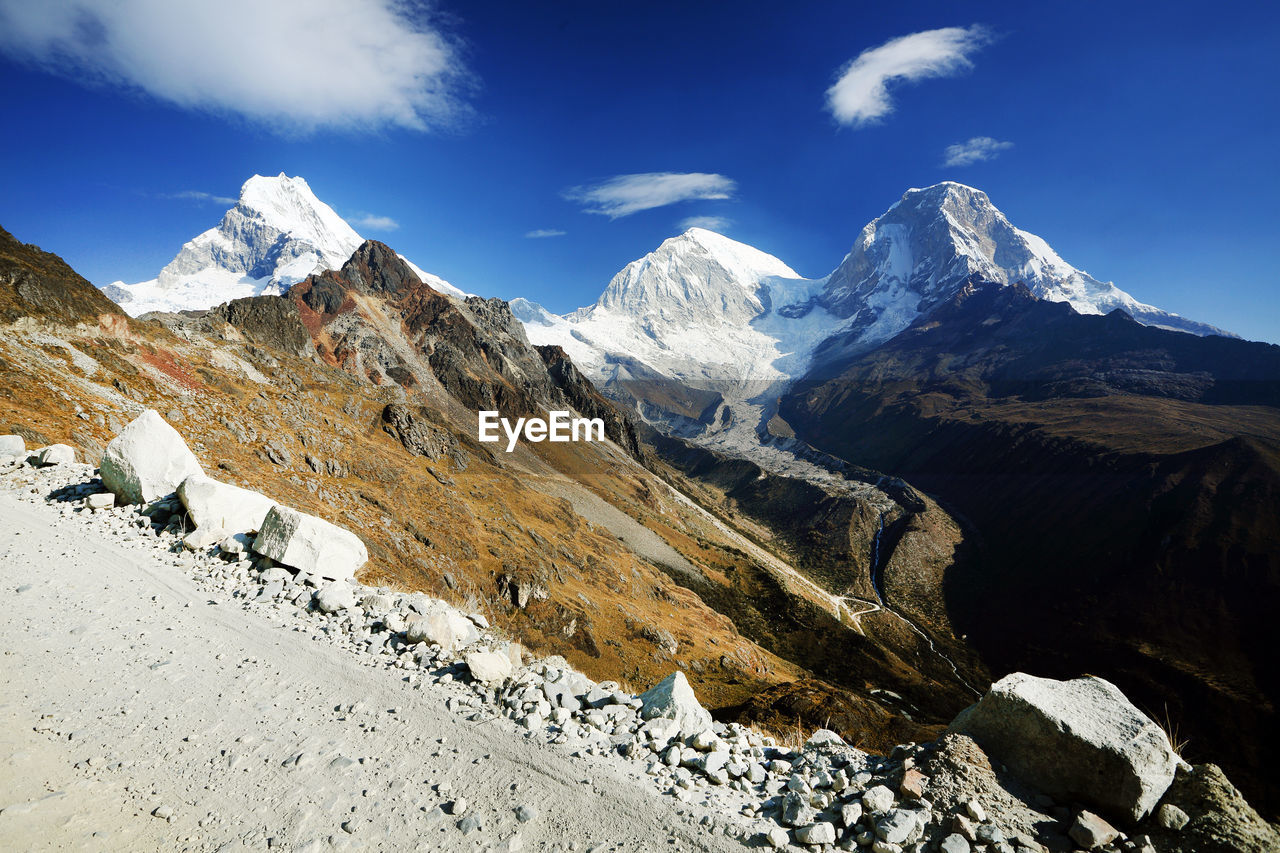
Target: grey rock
{"x":1079,"y":739}
{"x":954,"y":843}
{"x":1091,"y":831}
{"x":796,"y":810}
{"x":1171,"y":817}
{"x":896,"y":826}
{"x":816,"y":833}
{"x":488,"y":667}
{"x":878,"y":799}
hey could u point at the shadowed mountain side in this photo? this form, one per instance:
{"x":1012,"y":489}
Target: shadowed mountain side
{"x":39,"y":285}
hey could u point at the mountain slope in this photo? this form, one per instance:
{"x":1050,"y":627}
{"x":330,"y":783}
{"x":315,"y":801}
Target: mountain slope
{"x":38,"y":285}
{"x":277,"y":234}
{"x":1123,"y":482}
{"x":354,"y":397}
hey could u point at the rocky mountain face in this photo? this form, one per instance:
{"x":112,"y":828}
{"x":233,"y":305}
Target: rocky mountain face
{"x":39,"y":286}
{"x":1119,"y":484}
{"x":277,"y":234}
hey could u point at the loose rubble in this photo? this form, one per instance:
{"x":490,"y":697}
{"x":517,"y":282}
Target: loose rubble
{"x":825,"y":794}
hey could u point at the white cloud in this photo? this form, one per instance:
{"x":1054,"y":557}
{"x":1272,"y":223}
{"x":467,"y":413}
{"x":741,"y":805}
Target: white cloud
{"x":544,"y":232}
{"x":197,"y":195}
{"x":293,"y":65}
{"x":711,"y":223}
{"x":976,"y":149}
{"x":623,"y":195}
{"x":861,"y":94}
{"x":373,"y":222}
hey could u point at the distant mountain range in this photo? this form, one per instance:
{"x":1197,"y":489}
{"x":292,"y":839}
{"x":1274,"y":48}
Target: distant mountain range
{"x":704,"y":306}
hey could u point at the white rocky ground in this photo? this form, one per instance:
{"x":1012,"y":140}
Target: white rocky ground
{"x":168,"y":690}
{"x":134,"y":681}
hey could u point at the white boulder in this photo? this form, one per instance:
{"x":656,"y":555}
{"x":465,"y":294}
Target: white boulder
{"x":1074,"y":740}
{"x":488,"y":667}
{"x":673,"y":699}
{"x":335,"y":596}
{"x":203,"y":537}
{"x":56,"y":454}
{"x":443,"y":626}
{"x":211,"y":503}
{"x":147,"y":460}
{"x":12,"y":445}
{"x":310,"y":544}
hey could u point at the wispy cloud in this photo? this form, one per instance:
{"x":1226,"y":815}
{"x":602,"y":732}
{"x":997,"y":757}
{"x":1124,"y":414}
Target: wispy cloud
{"x":373,"y":222}
{"x":539,"y":233}
{"x":860,"y":95}
{"x":711,"y":223}
{"x":623,"y":195}
{"x":975,"y":150}
{"x":292,"y":65}
{"x":197,"y":195}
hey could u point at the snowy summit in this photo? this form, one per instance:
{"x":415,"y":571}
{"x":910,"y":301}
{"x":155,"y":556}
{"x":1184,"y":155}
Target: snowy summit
{"x":277,"y":234}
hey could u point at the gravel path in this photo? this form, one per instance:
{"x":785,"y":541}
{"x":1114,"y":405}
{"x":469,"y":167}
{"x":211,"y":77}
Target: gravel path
{"x":126,"y":688}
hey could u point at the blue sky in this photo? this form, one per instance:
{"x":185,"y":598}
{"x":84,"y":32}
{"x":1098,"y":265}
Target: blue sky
{"x":1139,"y":139}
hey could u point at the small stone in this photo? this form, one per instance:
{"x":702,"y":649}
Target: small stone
{"x":488,"y":667}
{"x":335,"y":596}
{"x":102,"y":500}
{"x":776,"y":838}
{"x":850,"y":814}
{"x":913,"y":784}
{"x":1171,"y":817}
{"x":1091,"y":831}
{"x":796,"y":810}
{"x":524,"y":814}
{"x":468,"y":824}
{"x":878,"y":799}
{"x":989,"y":833}
{"x":896,"y":826}
{"x":57,"y":454}
{"x":964,"y":826}
{"x":816,"y":833}
{"x":164,"y":812}
{"x":954,"y":843}
{"x":975,"y":811}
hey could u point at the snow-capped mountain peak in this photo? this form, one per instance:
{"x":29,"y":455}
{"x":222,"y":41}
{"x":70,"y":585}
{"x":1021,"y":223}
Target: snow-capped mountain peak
{"x":698,"y":277}
{"x":277,"y":234}
{"x":922,"y":249}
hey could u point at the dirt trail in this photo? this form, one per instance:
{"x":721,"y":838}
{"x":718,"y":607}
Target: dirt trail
{"x":125,"y":687}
